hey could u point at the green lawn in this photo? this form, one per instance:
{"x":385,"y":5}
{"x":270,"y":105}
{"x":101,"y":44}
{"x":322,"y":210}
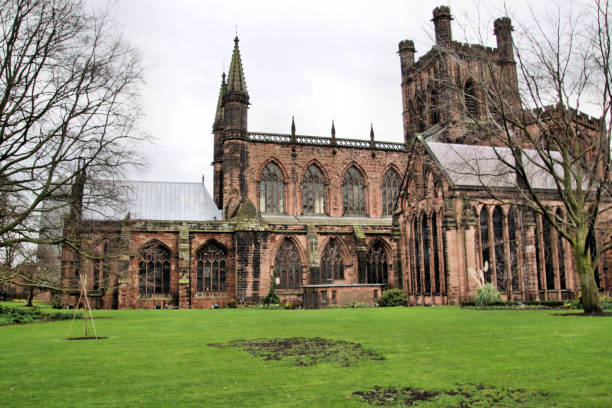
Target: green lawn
{"x":161,"y":358}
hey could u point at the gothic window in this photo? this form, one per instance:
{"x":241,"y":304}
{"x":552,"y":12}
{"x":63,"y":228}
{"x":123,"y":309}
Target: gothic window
{"x":514,"y":248}
{"x":426,"y":254}
{"x":390,"y":189}
{"x":332,"y":265}
{"x":434,"y":109}
{"x":471,"y":107}
{"x":353,"y":196}
{"x":211,"y":268}
{"x":313,"y":191}
{"x":484,"y":243}
{"x":548,"y":253}
{"x":538,"y":248}
{"x":436,"y":237}
{"x":377,"y":264}
{"x":154,"y":271}
{"x":499,"y":248}
{"x":561,"y":254}
{"x":416,"y":230}
{"x":272,"y":190}
{"x":419,"y":113}
{"x":287,"y":266}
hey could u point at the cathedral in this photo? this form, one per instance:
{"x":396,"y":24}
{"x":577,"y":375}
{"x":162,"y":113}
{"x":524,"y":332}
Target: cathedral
{"x":329,"y":221}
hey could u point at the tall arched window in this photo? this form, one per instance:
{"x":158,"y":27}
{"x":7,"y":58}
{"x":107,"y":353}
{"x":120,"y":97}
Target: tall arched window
{"x":419,"y":112}
{"x":514,"y":247}
{"x":561,"y":254}
{"x":499,"y":248}
{"x":416,"y":231}
{"x":539,"y":252}
{"x":377,"y":264}
{"x":313,"y":191}
{"x":484,"y":243}
{"x":211,"y":269}
{"x":272,"y":190}
{"x":436,"y":237}
{"x":154,"y":270}
{"x":287,"y":266}
{"x":548,"y":253}
{"x":471,"y":106}
{"x":426,"y":254}
{"x":332,"y":264}
{"x":434,"y":109}
{"x":353,"y":196}
{"x":390,"y":188}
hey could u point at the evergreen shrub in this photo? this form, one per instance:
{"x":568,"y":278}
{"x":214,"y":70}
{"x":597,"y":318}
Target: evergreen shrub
{"x":393,"y":297}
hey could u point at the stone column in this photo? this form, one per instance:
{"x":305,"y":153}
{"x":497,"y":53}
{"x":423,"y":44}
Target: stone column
{"x":184,"y":267}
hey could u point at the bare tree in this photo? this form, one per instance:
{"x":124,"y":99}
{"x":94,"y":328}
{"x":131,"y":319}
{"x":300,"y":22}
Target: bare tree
{"x":69,"y":106}
{"x":562,"y":60}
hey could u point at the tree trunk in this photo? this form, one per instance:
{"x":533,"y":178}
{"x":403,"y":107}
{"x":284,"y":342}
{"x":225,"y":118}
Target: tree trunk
{"x":30,"y":297}
{"x":591,"y":303}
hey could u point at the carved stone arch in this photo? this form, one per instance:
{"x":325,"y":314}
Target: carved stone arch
{"x":378,"y":258}
{"x":315,"y":189}
{"x":333,"y":258}
{"x":390,"y":188}
{"x":277,"y":162}
{"x":354,"y":190}
{"x":321,"y":167}
{"x":154,"y":269}
{"x":288,"y":260}
{"x":272,"y":192}
{"x":211,"y":260}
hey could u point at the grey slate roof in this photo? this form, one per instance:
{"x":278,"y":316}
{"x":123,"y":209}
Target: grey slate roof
{"x":477,"y":166}
{"x":155,"y":200}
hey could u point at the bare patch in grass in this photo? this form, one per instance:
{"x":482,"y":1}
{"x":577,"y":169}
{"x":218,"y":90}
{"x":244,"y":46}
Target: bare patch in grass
{"x":464,"y":396}
{"x":87,"y":338}
{"x":305,"y":351}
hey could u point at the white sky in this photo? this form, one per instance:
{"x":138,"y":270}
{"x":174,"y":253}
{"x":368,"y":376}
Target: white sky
{"x":316,"y":60}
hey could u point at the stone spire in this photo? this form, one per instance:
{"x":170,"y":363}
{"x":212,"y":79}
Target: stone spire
{"x":219,"y":113}
{"x":235,"y":79}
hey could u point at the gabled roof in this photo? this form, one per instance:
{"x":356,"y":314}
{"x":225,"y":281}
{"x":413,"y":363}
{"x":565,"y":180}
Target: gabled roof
{"x":478,"y":166}
{"x":154,"y":200}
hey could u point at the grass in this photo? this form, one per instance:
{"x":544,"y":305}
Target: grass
{"x":160,"y":358}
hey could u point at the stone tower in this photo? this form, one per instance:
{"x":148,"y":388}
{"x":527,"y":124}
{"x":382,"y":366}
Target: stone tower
{"x":235,"y":153}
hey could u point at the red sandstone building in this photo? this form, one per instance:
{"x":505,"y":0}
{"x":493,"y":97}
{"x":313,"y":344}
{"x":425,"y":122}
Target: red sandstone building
{"x":333,"y":221}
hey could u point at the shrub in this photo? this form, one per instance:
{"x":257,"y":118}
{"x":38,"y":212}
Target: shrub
{"x":467,"y":303}
{"x":393,"y":297}
{"x":487,"y":295}
{"x":57,"y":302}
{"x":232,"y":304}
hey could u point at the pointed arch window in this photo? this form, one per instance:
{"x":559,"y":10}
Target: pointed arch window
{"x":154,"y":271}
{"x":313,"y":191}
{"x":353,"y":196}
{"x":434,"y":109}
{"x":484,"y":244}
{"x":390,"y":189}
{"x":102,"y":269}
{"x":548,"y":253}
{"x":499,"y":251}
{"x":471,"y":106}
{"x":377,"y":264}
{"x":561,"y":254}
{"x":287,"y":266}
{"x":416,"y":231}
{"x":272,"y":190}
{"x":436,"y":254}
{"x":211,"y":269}
{"x":332,"y":263}
{"x":514,"y":246}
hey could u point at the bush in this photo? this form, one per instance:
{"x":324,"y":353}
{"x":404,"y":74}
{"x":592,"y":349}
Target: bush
{"x":232,"y":304}
{"x":57,"y":302}
{"x":487,"y":295}
{"x":467,"y":303}
{"x":393,"y":297}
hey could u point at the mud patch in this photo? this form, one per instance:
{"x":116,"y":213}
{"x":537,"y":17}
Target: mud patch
{"x":464,"y":396}
{"x":87,"y":338}
{"x":305,"y":351}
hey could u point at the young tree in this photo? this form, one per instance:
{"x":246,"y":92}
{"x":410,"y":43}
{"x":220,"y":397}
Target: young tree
{"x":561,"y":64}
{"x":69,"y":106}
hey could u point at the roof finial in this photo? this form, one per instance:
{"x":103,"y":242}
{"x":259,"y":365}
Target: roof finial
{"x":292,"y":126}
{"x":371,"y":131}
{"x":333,"y":130}
{"x":235,"y":76}
{"x":236,"y":38}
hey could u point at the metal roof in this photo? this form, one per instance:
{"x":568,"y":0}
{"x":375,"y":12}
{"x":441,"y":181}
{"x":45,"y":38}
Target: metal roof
{"x":156,"y":200}
{"x":477,"y":166}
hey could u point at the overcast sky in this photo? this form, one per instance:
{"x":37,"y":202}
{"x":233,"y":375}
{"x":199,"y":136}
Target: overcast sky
{"x":315,"y":60}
